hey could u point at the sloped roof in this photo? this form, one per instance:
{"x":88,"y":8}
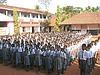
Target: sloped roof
{"x":21,"y":9}
{"x":52,"y":20}
{"x":5,"y":18}
{"x":84,"y":18}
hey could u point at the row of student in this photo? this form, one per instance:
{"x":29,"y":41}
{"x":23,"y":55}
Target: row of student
{"x":87,"y":57}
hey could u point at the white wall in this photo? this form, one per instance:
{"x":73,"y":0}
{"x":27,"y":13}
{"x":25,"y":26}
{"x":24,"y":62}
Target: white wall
{"x":10,"y":28}
{"x":36,"y":28}
{"x":3,"y":30}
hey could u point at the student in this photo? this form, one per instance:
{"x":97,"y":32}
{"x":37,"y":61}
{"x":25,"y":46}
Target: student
{"x":1,"y":51}
{"x":18,"y":55}
{"x":27,"y":59}
{"x":82,"y":60}
{"x":89,"y":60}
{"x":58,"y":62}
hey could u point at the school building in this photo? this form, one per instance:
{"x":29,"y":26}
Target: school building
{"x":29,"y":19}
{"x":86,"y":21}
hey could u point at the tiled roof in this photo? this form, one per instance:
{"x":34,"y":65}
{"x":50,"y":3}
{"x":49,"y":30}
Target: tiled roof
{"x":21,"y":9}
{"x":52,"y":20}
{"x":84,"y":18}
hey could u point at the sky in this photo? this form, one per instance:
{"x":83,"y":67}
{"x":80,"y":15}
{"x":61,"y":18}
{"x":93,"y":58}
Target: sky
{"x":54,"y":3}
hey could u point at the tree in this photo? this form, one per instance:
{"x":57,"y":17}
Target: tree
{"x":88,"y":9}
{"x":45,"y":3}
{"x":16,"y":22}
{"x":69,"y":11}
{"x":58,"y":19}
{"x":92,"y":9}
{"x":44,"y":25}
{"x":3,"y":1}
{"x":37,"y":7}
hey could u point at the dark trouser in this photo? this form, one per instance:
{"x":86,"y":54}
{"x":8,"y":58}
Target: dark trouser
{"x":49,"y":71}
{"x":58,"y":72}
{"x":5,"y":56}
{"x":82,"y":66}
{"x":32,"y":58}
{"x":93,"y":62}
{"x":1,"y":56}
{"x":88,"y":70}
{"x":13,"y":58}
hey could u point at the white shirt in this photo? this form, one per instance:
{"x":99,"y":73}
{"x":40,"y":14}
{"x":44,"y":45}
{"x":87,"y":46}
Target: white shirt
{"x":89,"y":54}
{"x":20,"y":49}
{"x":1,"y":46}
{"x":33,"y":51}
{"x":82,"y":55}
{"x":93,"y":49}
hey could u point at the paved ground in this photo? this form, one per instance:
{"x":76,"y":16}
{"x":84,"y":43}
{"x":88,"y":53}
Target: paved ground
{"x":73,"y":70}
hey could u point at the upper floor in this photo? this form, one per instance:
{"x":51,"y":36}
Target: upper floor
{"x":23,"y":12}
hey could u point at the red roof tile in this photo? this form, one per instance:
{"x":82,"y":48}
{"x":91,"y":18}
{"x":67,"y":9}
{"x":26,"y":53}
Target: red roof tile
{"x":6,"y":7}
{"x":84,"y":18}
{"x":52,"y":20}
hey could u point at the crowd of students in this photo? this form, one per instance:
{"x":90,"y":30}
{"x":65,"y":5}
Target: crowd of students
{"x":51,"y":52}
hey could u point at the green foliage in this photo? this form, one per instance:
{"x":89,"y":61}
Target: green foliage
{"x":69,"y":11}
{"x":92,"y":9}
{"x":58,"y":19}
{"x":16,"y":22}
{"x":37,"y":7}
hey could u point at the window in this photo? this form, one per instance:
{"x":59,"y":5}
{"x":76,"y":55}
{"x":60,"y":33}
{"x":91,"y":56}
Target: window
{"x":10,"y":13}
{"x":3,"y":24}
{"x":33,"y":15}
{"x":44,"y":16}
{"x":25,"y":15}
{"x":36,"y":15}
{"x":41,"y":16}
{"x":23,"y":29}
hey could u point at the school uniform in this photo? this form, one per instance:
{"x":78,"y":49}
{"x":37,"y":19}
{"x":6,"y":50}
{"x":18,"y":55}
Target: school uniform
{"x":1,"y":53}
{"x":38,"y":61}
{"x":5,"y":54}
{"x":82,"y":56}
{"x":18,"y":56}
{"x":49,"y":62}
{"x":58,"y":63}
{"x":63,"y":59}
{"x":13,"y":55}
{"x":89,"y":62}
{"x":27,"y":60}
{"x":32,"y":57}
{"x":67,"y":58}
{"x":93,"y":50}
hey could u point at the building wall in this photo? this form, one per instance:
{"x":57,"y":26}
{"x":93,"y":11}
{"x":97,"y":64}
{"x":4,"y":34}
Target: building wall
{"x":76,"y":27}
{"x":10,"y":28}
{"x":3,"y":31}
{"x":93,"y":27}
{"x":86,"y":27}
{"x":27,"y":20}
{"x":36,"y":28}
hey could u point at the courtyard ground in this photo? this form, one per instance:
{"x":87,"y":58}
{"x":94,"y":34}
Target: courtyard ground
{"x":72,"y":70}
